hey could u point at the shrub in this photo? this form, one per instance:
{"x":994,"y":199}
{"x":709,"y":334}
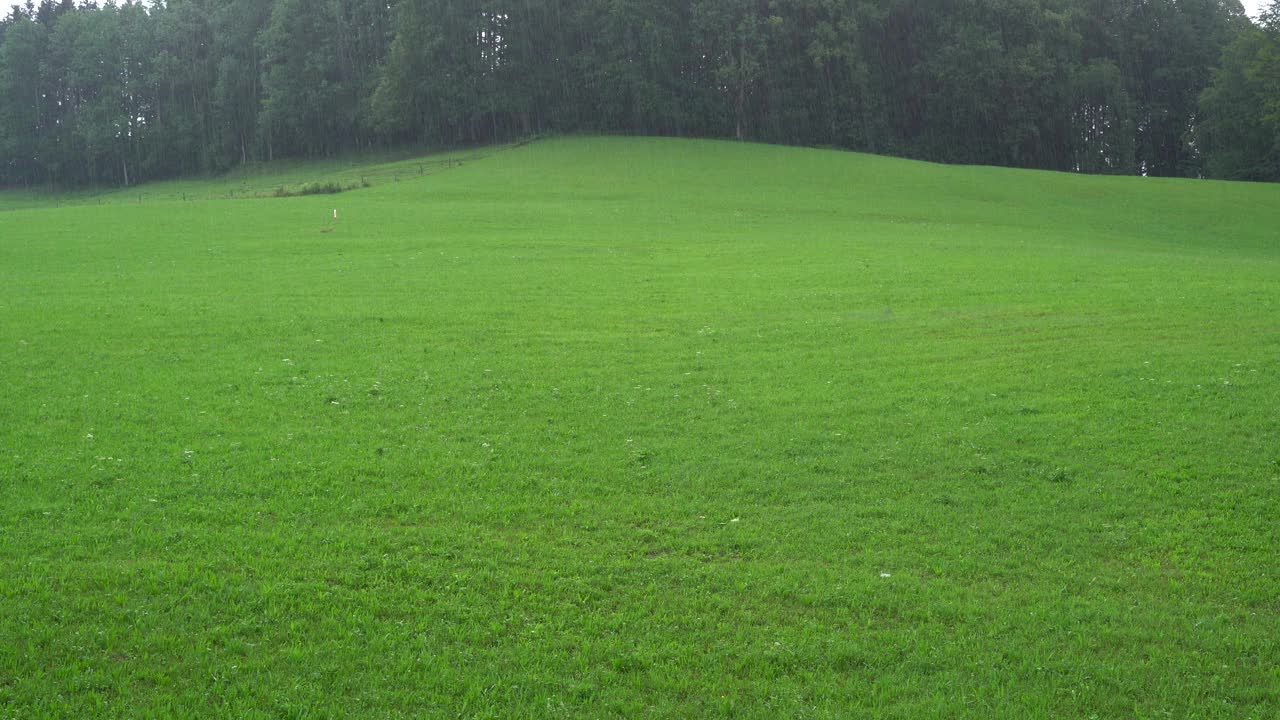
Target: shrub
{"x":331,"y":187}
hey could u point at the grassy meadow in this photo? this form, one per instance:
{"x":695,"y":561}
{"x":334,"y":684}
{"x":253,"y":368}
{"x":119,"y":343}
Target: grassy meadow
{"x":597,"y":428}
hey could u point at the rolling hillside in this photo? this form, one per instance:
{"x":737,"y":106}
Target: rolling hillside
{"x":641,"y":427}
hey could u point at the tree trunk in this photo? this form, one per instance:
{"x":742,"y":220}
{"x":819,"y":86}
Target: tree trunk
{"x":739,"y":106}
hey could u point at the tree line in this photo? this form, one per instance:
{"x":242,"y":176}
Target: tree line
{"x":120,"y":93}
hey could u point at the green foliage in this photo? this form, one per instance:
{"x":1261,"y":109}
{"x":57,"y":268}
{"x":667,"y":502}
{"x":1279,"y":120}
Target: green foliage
{"x":1104,"y":117}
{"x":22,"y":48}
{"x":1241,"y":132}
{"x":307,"y":103}
{"x":317,"y":188}
{"x":1240,"y":142}
{"x":643,"y":428}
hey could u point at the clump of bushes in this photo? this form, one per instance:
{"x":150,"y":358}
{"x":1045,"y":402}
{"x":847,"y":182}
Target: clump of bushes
{"x":331,"y":187}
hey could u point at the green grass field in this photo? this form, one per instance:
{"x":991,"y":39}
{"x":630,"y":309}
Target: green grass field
{"x":643,"y":428}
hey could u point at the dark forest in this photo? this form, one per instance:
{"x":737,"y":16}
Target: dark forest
{"x":116,"y":94}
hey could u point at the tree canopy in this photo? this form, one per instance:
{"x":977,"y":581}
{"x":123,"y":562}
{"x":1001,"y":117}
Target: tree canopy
{"x":118,"y":93}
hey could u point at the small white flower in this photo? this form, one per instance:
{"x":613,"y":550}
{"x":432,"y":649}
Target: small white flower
{"x":885,"y":575}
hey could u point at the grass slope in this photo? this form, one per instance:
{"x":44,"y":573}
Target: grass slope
{"x":263,"y":180}
{"x":631,"y":427}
